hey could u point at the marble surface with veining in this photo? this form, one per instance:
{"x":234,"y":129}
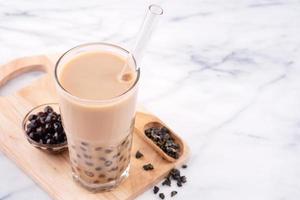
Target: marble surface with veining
{"x":223,"y":74}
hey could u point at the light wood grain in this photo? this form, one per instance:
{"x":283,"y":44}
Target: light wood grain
{"x":52,"y":172}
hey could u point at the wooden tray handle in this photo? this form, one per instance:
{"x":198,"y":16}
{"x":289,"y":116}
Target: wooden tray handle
{"x":23,"y":65}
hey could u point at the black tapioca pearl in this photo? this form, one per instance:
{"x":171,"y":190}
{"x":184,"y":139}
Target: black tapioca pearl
{"x":123,"y":143}
{"x":98,"y":168}
{"x":122,"y":168}
{"x":39,"y":130}
{"x":161,"y":195}
{"x":173,"y":193}
{"x":110,"y":179}
{"x":32,"y":117}
{"x":96,"y":182}
{"x":114,"y":169}
{"x":78,"y":156}
{"x":148,"y":167}
{"x":102,"y":159}
{"x":107,"y":163}
{"x":48,"y":109}
{"x":155,"y":189}
{"x":89,"y":163}
{"x":87,"y":156}
{"x":116,"y":155}
{"x":167,"y":182}
{"x":83,"y":149}
{"x":48,"y":119}
{"x":90,"y":174}
{"x":84,"y":143}
{"x":184,"y":166}
{"x":183,"y":179}
{"x":48,"y":127}
{"x":121,"y":158}
{"x":127,"y":143}
{"x":41,"y":120}
{"x":179,"y":184}
{"x":34,"y":136}
{"x":98,"y":148}
{"x":57,"y":127}
{"x":49,"y":141}
{"x":32,"y":124}
{"x":138,"y":155}
{"x":41,"y":114}
{"x":102,"y":176}
{"x":78,"y":169}
{"x":108,"y":151}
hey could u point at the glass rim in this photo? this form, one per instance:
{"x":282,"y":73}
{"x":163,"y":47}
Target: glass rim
{"x":137,"y":69}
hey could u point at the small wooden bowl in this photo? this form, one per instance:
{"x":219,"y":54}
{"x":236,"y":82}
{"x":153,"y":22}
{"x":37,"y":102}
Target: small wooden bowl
{"x":50,"y":148}
{"x":145,"y":121}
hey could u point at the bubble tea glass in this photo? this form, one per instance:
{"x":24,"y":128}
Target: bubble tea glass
{"x":99,"y":129}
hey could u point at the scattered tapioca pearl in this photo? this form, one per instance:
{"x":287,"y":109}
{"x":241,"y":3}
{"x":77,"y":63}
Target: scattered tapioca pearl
{"x":161,"y":195}
{"x":90,"y":174}
{"x":155,"y":189}
{"x":173,"y":193}
{"x":148,"y":167}
{"x":167,"y":182}
{"x":184,"y":166}
{"x":138,"y":155}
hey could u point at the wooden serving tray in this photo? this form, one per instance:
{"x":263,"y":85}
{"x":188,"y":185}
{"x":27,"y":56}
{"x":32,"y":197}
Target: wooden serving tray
{"x":53,"y":172}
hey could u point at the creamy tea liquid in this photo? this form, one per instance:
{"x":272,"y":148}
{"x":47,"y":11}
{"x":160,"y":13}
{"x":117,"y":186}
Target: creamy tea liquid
{"x":98,"y":110}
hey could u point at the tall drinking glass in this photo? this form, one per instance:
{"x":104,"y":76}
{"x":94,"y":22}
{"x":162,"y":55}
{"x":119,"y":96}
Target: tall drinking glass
{"x":98,"y":111}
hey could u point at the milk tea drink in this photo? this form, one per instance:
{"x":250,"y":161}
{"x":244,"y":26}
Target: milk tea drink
{"x":97,"y":89}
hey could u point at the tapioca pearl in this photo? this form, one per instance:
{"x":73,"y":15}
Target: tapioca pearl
{"x":102,"y":159}
{"x":121,"y":158}
{"x":117,"y":155}
{"x":123,"y":143}
{"x":83,"y":148}
{"x":90,"y":174}
{"x":110,"y":179}
{"x":84,"y":143}
{"x":114,"y":169}
{"x":78,"y":155}
{"x":102,"y":176}
{"x":89,"y":163}
{"x":108,"y":151}
{"x":98,"y":168}
{"x":122,"y":168}
{"x":107,"y":163}
{"x":78,"y":169}
{"x":96,"y":182}
{"x":98,"y":148}
{"x":73,"y":169}
{"x":74,"y":161}
{"x":87,"y":156}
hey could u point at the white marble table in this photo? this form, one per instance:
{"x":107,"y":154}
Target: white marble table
{"x":223,"y":74}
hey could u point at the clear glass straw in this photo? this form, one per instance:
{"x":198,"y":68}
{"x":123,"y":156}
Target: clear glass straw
{"x":153,"y":14}
{"x":144,"y":35}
